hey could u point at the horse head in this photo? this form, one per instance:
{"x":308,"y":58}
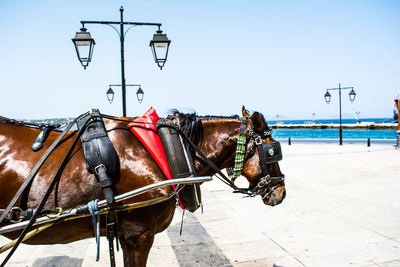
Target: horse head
{"x":268,"y":180}
{"x":217,"y":138}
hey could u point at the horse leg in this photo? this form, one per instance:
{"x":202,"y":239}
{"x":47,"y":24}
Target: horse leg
{"x":137,"y":228}
{"x":136,"y":248}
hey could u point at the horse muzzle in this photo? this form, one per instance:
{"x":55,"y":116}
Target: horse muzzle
{"x":275,"y":196}
{"x":271,"y":189}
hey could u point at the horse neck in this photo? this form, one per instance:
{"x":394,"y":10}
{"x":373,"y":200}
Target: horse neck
{"x":218,"y":143}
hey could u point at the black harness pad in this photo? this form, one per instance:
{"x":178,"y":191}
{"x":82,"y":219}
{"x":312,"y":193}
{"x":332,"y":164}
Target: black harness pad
{"x":180,"y":163}
{"x":97,"y":146}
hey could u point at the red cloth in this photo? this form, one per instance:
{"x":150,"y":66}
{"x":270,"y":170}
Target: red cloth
{"x":144,"y":128}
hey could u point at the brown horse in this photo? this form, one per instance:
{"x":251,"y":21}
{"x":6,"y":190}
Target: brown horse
{"x":137,"y":227}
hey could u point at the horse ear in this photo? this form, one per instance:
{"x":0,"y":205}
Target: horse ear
{"x":245,"y":112}
{"x":258,"y":121}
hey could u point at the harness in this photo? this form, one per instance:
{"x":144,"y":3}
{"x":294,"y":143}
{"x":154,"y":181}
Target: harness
{"x":97,"y":147}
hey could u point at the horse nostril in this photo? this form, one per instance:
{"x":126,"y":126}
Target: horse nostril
{"x":284,"y":194}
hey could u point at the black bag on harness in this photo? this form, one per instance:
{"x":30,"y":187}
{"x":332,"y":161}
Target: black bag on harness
{"x":180,"y":162}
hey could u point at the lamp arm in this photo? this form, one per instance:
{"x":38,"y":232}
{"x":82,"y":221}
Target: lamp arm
{"x":101,"y":22}
{"x":119,"y":34}
{"x":128,"y":30}
{"x":341,"y":88}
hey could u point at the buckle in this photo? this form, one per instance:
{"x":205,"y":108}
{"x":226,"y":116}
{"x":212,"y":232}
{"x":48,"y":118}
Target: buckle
{"x":58,"y":211}
{"x":96,"y":169}
{"x":15,"y":214}
{"x":262,"y":182}
{"x":258,"y":140}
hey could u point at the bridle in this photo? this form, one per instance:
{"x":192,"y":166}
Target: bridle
{"x":268,"y":152}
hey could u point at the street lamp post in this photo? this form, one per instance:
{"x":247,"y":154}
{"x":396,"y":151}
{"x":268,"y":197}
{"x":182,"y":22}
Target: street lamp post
{"x":352,"y":96}
{"x":110,"y":92}
{"x":84,"y":45}
{"x":358,"y":116}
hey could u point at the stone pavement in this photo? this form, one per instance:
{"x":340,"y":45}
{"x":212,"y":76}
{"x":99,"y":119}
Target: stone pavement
{"x":342,"y":209}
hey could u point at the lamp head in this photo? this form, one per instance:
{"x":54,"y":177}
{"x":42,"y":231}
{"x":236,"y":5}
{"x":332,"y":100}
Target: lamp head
{"x":352,"y":95}
{"x":327,"y":97}
{"x":84,"y":45}
{"x":110,"y":95}
{"x":140,"y":95}
{"x":160,"y":46}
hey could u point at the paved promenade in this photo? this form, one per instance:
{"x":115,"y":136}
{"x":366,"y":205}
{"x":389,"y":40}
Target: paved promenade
{"x":342,"y":209}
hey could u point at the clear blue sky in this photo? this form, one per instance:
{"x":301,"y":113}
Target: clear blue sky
{"x":277,"y":57}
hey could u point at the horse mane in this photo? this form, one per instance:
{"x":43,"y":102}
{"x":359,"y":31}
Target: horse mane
{"x":190,"y":125}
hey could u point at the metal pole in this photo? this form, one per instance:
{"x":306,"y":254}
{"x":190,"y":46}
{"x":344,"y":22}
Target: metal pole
{"x":122,"y":40}
{"x":123,"y":64}
{"x":340,"y":116}
{"x":103,"y":203}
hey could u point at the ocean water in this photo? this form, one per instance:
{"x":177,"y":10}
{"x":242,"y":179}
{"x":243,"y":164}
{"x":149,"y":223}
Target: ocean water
{"x":334,"y":121}
{"x":333,"y":134}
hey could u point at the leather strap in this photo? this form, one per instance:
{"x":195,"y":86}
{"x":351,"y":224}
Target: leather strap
{"x":97,"y":165}
{"x":261,"y":154}
{"x":111,"y":225}
{"x":35,"y":170}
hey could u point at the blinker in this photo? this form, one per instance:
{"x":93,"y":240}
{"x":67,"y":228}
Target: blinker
{"x":273,"y":151}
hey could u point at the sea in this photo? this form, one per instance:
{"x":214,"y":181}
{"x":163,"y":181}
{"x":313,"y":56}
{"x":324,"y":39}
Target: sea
{"x":315,"y":135}
{"x":332,"y":135}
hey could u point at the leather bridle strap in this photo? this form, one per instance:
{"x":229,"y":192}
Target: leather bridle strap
{"x":35,"y":170}
{"x":261,"y":154}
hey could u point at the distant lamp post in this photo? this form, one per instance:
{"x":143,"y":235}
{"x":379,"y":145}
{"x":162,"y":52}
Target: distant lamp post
{"x":352,"y":96}
{"x":84,"y":44}
{"x":358,"y":116}
{"x":139,"y":92}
